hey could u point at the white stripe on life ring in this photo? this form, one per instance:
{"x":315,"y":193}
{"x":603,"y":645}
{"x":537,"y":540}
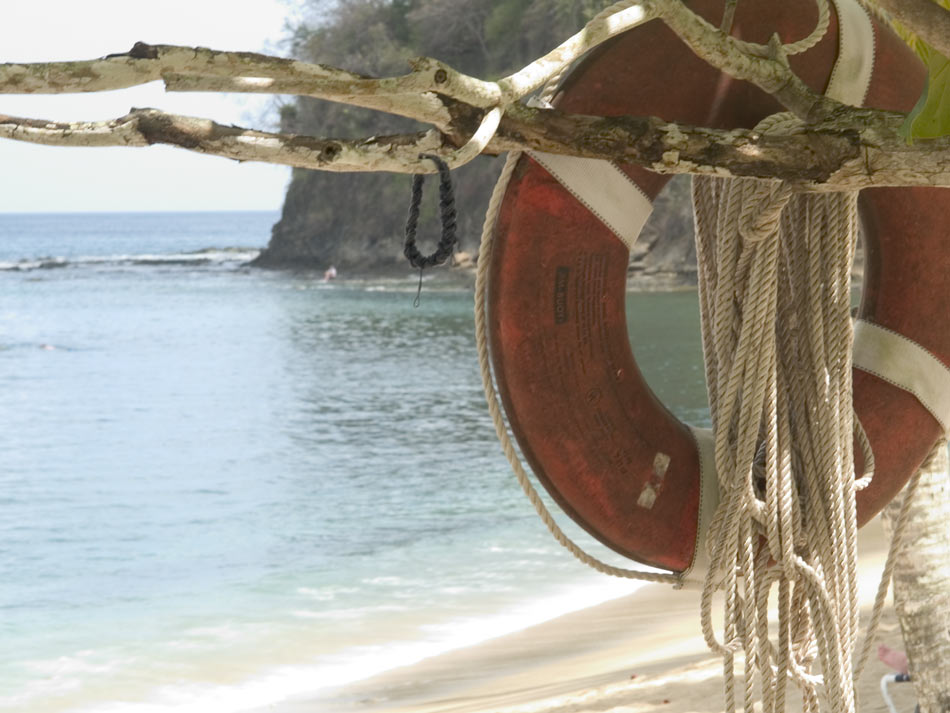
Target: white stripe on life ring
{"x":851,"y":75}
{"x":905,"y":364}
{"x":619,"y":203}
{"x":709,"y":497}
{"x":607,"y":192}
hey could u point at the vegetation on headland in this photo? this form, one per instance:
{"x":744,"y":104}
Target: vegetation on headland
{"x":355,"y":221}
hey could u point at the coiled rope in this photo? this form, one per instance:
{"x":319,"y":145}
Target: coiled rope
{"x":774,"y":287}
{"x":775,"y":300}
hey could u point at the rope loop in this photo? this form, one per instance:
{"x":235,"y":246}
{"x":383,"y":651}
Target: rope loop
{"x":802,"y":45}
{"x":447,"y":209}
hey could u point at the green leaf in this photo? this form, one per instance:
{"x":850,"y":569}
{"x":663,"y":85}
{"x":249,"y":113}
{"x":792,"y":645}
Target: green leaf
{"x":930,"y":117}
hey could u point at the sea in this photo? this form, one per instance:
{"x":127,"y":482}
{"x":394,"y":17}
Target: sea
{"x":222,"y":487}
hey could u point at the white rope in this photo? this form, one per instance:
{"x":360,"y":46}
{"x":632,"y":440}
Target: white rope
{"x":895,"y":550}
{"x":774,"y":287}
{"x":477,"y":143}
{"x":802,"y":45}
{"x":775,"y":284}
{"x":494,"y":408}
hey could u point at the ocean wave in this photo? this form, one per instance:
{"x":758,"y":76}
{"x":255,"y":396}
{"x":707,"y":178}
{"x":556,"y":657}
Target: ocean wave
{"x":174,"y":676}
{"x":223,"y":257}
{"x":325,"y":594}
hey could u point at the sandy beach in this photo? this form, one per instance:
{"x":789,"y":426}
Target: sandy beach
{"x":637,"y":654}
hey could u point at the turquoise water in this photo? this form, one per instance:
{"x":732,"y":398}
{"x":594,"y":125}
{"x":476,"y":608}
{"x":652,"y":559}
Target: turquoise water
{"x":223,"y":486}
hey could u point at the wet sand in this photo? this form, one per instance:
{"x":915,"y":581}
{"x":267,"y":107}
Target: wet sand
{"x":637,"y":654}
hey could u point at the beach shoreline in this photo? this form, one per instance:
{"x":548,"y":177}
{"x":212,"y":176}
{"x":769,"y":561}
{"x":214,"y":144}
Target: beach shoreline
{"x":639,"y":653}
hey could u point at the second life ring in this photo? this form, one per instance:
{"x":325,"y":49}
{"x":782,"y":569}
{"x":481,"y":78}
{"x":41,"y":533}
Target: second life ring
{"x":612,"y":456}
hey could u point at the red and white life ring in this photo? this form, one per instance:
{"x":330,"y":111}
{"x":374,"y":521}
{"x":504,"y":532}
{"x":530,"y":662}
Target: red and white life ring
{"x":586,"y":421}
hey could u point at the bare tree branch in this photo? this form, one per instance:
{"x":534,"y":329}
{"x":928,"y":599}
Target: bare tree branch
{"x":426,"y":107}
{"x":148,"y":63}
{"x":859,"y":150}
{"x":770,"y":72}
{"x":145,"y":127}
{"x":840,"y":148}
{"x":145,"y":63}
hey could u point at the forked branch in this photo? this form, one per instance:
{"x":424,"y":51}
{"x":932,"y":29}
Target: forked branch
{"x":840,"y":148}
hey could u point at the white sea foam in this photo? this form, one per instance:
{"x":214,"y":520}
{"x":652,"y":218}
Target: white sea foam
{"x":348,"y":614}
{"x":347,"y":666}
{"x":325,"y":594}
{"x":209,"y":256}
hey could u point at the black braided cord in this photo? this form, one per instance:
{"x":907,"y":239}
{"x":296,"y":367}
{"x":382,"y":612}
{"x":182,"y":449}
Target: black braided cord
{"x":447,"y":208}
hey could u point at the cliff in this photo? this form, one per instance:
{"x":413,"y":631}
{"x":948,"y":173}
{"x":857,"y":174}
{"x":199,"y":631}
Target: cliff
{"x":355,"y":222}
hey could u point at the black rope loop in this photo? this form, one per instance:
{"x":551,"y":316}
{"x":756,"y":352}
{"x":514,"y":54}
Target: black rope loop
{"x":447,"y":208}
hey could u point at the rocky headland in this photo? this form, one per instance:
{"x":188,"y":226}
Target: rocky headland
{"x":358,"y":228}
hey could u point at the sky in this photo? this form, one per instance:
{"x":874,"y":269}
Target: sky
{"x":36,"y":178}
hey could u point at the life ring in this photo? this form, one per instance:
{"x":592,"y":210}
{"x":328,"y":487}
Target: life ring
{"x":612,"y":456}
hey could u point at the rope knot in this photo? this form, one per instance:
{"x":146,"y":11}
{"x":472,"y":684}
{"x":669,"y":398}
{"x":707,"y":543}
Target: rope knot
{"x":762,"y":206}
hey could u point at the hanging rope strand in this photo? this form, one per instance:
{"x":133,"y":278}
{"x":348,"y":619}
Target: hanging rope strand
{"x":780,"y":396}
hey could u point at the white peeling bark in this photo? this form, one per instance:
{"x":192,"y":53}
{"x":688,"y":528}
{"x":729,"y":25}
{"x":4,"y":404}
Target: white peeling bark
{"x":922,"y":583}
{"x":145,"y":127}
{"x":426,"y":106}
{"x":457,"y":105}
{"x":148,"y":63}
{"x":837,"y":155}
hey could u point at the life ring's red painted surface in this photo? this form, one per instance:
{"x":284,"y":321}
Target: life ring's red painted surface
{"x":585,"y":419}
